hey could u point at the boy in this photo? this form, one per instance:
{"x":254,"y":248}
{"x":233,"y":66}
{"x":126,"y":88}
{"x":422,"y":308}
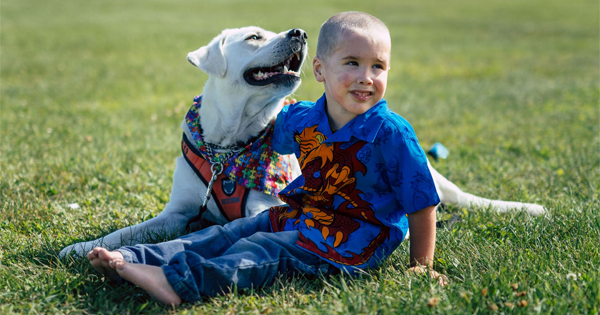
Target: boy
{"x":364,"y":182}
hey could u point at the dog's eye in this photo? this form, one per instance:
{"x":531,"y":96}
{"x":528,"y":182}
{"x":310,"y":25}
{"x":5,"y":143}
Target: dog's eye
{"x":254,"y":37}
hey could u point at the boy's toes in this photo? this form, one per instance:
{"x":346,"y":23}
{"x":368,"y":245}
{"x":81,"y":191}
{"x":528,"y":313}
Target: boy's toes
{"x":93,"y":254}
{"x":103,"y":253}
{"x":117,"y":264}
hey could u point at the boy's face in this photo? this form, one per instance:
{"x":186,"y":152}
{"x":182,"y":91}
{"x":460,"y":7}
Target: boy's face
{"x":355,"y":74}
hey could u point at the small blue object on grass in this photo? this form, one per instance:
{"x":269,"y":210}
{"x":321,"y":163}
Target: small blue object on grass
{"x":438,"y":150}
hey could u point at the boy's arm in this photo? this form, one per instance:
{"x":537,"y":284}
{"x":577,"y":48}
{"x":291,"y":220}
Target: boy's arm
{"x":422,"y":236}
{"x":422,"y":242}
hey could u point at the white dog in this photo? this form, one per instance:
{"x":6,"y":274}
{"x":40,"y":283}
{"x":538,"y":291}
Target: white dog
{"x":251,"y":71}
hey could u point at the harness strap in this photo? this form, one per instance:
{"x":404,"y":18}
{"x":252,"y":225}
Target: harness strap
{"x":229,"y":196}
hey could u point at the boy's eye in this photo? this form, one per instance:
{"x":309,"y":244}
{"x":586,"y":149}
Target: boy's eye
{"x":352,"y":63}
{"x":378,"y":66}
{"x":254,"y":37}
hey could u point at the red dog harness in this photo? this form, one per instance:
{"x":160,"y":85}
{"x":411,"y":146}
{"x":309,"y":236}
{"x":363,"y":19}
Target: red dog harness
{"x":229,"y":196}
{"x":255,"y":166}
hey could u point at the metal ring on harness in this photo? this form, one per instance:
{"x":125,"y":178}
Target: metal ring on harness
{"x":213,"y":169}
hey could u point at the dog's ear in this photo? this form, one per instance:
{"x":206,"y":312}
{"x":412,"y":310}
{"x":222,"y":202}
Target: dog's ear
{"x":210,"y":58}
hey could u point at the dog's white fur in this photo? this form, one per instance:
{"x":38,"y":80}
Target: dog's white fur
{"x":233,"y":111}
{"x":450,"y":194}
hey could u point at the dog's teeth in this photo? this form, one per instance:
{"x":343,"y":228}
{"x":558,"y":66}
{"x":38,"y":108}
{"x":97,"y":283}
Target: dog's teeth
{"x":259,"y":75}
{"x":265,"y":75}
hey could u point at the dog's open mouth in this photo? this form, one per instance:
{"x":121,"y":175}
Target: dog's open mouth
{"x":287,"y":69}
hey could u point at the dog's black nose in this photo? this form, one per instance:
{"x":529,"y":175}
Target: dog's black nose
{"x":298,"y":32}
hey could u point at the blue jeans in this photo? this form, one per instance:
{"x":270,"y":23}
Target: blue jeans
{"x":244,"y":253}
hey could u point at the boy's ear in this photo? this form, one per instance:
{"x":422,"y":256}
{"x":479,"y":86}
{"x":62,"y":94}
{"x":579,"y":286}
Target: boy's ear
{"x":317,"y":69}
{"x":211,"y":58}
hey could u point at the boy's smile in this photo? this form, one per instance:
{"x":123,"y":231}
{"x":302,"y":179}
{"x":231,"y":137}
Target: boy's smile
{"x":355,"y":74}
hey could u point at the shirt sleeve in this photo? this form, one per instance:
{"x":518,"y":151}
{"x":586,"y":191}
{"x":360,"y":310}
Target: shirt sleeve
{"x":282,"y":133}
{"x":407,"y":171}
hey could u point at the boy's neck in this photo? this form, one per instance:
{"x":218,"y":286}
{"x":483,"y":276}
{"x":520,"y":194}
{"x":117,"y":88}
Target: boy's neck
{"x":337,"y":120}
{"x":336,"y":125}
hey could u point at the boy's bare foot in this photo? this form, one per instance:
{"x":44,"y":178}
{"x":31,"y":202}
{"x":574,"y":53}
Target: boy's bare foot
{"x":100,"y":259}
{"x":150,"y":278}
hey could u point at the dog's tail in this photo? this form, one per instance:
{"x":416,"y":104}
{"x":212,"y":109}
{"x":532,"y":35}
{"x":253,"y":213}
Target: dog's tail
{"x":450,"y":194}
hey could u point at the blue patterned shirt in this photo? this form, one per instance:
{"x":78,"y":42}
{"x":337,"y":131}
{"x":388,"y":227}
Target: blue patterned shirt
{"x":357,"y":184}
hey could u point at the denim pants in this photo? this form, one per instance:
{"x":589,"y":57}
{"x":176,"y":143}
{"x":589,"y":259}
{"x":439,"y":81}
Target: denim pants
{"x":243,"y":253}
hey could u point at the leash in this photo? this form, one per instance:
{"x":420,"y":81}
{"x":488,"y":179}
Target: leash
{"x":217,"y":165}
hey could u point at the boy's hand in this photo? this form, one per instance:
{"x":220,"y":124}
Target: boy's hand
{"x":288,"y":101}
{"x":418,"y":270}
{"x":422,"y":243}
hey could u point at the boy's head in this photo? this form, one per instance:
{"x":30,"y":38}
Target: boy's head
{"x":331,"y":31}
{"x":353,"y":58}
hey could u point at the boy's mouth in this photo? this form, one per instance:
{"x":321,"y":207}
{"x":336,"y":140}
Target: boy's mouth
{"x":362,"y":95}
{"x":289,"y":68}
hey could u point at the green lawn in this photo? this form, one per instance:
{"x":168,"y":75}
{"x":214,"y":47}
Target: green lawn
{"x":93,"y":92}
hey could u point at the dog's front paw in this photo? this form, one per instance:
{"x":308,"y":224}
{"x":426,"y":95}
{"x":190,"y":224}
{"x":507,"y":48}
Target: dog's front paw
{"x":78,"y":250}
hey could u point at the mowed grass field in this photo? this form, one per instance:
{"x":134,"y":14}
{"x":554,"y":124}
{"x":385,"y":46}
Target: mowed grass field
{"x":93,"y":93}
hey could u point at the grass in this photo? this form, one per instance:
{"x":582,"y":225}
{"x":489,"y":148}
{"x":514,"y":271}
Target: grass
{"x":93,"y":92}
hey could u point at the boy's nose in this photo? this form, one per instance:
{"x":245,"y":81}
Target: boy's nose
{"x":364,"y":78}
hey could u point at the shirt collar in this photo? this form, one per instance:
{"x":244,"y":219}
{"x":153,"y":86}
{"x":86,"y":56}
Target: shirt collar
{"x":316,"y":116}
{"x":363,"y":127}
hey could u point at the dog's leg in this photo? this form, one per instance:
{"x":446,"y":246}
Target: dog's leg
{"x":183,"y":204}
{"x":162,"y":226}
{"x":451,"y":194}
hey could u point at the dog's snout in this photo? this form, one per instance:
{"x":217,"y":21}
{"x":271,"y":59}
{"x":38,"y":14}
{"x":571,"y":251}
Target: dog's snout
{"x":298,"y":32}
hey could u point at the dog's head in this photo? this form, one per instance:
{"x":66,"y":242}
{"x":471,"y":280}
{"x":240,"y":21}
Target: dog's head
{"x":252,"y":58}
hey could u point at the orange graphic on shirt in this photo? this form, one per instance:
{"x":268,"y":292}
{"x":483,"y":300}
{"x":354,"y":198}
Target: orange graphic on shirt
{"x":329,"y":171}
{"x":309,"y":140}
